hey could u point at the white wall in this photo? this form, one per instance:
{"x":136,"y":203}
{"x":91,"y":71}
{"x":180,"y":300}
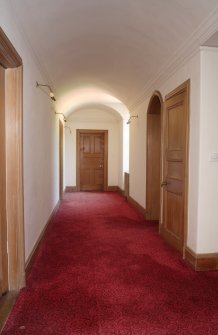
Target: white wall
{"x":208,"y":187}
{"x":137,"y":152}
{"x":191,"y":70}
{"x":94,"y":118}
{"x":40,"y":138}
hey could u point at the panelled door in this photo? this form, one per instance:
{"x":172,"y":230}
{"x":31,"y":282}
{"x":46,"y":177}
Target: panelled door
{"x":92,"y":160}
{"x":3,"y":224}
{"x":61,"y":139}
{"x":175,"y":161}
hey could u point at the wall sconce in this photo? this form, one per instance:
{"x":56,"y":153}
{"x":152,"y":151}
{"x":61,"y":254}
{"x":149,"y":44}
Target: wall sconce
{"x":131,"y":117}
{"x":68,"y":128}
{"x":64,"y":117}
{"x":51,"y":93}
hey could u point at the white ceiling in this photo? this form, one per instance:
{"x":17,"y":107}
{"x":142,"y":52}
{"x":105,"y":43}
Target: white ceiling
{"x":116,"y":46}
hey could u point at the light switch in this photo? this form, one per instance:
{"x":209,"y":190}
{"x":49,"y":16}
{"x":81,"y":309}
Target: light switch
{"x":214,"y":157}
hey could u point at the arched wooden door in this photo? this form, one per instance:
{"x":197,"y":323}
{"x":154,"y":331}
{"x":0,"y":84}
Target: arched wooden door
{"x":153,"y":174}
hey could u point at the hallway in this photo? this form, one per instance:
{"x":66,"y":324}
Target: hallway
{"x":102,"y":270}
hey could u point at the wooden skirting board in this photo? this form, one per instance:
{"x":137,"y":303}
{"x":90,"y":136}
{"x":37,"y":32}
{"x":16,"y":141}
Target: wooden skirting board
{"x":31,"y":257}
{"x":70,"y":189}
{"x":201,"y":262}
{"x":109,"y":189}
{"x":112,"y":189}
{"x":137,"y":206}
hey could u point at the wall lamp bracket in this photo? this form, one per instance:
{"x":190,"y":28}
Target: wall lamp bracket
{"x":64,"y":117}
{"x":67,"y":127}
{"x":51,"y":93}
{"x":131,"y":117}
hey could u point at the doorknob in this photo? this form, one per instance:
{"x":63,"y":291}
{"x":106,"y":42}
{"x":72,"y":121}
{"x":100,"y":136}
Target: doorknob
{"x":101,"y":166}
{"x":164,"y":183}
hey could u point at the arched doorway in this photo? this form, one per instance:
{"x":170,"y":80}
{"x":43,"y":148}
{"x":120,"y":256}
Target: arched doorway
{"x":153,"y":159}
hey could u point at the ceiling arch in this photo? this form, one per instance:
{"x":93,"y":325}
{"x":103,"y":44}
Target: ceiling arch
{"x":117,"y":45}
{"x":90,"y":97}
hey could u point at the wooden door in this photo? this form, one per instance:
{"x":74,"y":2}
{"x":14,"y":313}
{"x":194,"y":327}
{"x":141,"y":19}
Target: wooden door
{"x":91,"y":160}
{"x":153,"y":159}
{"x":61,"y":140}
{"x":3,"y":222}
{"x":176,"y":167}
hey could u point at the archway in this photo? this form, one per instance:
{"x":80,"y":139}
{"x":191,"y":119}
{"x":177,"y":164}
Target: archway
{"x":153,"y":159}
{"x":98,"y":117}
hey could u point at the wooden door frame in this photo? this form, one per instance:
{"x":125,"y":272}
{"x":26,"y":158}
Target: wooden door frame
{"x":12,"y":62}
{"x":91,"y":131}
{"x":184,"y":87}
{"x":159,"y":96}
{"x":61,"y":143}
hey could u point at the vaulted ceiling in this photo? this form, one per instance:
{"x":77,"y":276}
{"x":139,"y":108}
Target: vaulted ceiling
{"x":113,"y":46}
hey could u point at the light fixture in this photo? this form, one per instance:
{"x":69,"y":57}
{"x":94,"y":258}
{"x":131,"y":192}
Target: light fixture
{"x":68,"y":128}
{"x":64,"y":117}
{"x":51,"y":93}
{"x":131,"y":117}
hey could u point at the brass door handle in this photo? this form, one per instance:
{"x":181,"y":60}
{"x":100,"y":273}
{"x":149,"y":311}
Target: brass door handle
{"x":164,"y":183}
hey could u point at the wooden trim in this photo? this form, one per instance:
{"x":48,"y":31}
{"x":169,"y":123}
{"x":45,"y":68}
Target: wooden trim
{"x":61,"y":143}
{"x":137,"y":206}
{"x":201,"y":262}
{"x":112,"y":189}
{"x":90,"y":131}
{"x":14,"y":180}
{"x":9,"y":58}
{"x":70,"y":189}
{"x":126,"y":184}
{"x":184,"y":87}
{"x":3,"y":212}
{"x":30,"y":259}
{"x":158,"y":95}
{"x":169,"y":237}
{"x":11,"y":61}
{"x":6,"y":304}
{"x":122,"y":192}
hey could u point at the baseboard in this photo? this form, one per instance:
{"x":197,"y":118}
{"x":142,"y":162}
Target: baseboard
{"x":109,"y":189}
{"x":31,"y":257}
{"x":122,"y":192}
{"x":112,"y":189}
{"x":137,"y":206}
{"x":201,"y":262}
{"x":70,"y":189}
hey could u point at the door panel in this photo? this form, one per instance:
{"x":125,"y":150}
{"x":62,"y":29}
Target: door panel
{"x":153,"y":158}
{"x":61,"y":139}
{"x":92,"y":160}
{"x":175,"y":167}
{"x":3,"y":223}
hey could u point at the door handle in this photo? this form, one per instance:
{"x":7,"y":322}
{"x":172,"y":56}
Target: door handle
{"x":100,"y":166}
{"x":164,"y":183}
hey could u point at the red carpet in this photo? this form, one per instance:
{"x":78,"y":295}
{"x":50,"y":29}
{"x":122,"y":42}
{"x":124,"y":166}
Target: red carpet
{"x":102,"y":270}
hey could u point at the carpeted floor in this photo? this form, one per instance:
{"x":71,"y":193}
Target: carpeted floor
{"x":102,"y":270}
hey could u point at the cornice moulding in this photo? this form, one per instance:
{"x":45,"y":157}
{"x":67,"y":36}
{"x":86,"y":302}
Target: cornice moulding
{"x":186,"y":51}
{"x":39,"y":63}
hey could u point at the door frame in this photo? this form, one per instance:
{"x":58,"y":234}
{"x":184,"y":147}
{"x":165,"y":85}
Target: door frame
{"x":12,"y":62}
{"x":155,"y":95}
{"x":61,"y":143}
{"x":91,"y":131}
{"x":184,"y":87}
